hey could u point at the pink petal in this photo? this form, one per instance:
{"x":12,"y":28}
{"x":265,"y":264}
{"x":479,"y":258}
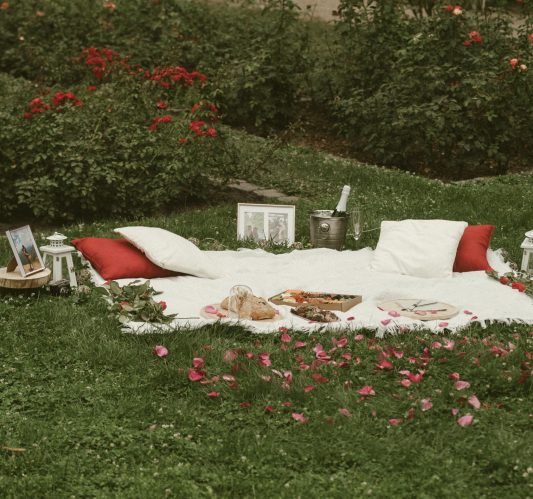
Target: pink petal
{"x":465,"y":420}
{"x":455,"y":411}
{"x":415,"y":378}
{"x":230,"y":355}
{"x":426,"y":404}
{"x":269,"y":409}
{"x":405,"y":372}
{"x":282,"y":329}
{"x":308,"y":388}
{"x":245,"y":405}
{"x":196,"y":375}
{"x":160,"y":351}
{"x":285,"y":338}
{"x":443,"y":324}
{"x":266,"y":378}
{"x":467,"y":312}
{"x":393,"y":313}
{"x":345,"y":412}
{"x":359,"y":337}
{"x":286,"y":404}
{"x":228,"y":377}
{"x":449,"y":344}
{"x":436,"y":345}
{"x":299,"y":344}
{"x":288,"y":376}
{"x":213,"y":394}
{"x":405,"y":383}
{"x":454,"y":376}
{"x":198,"y":362}
{"x":461,"y":385}
{"x":366,"y":390}
{"x":211,"y":310}
{"x":385,"y":364}
{"x":351,"y":318}
{"x":385,"y":322}
{"x":299,"y":416}
{"x":474,"y":402}
{"x":395,"y":421}
{"x":342,"y":342}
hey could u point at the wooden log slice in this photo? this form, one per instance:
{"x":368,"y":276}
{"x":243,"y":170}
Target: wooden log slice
{"x":14,"y":280}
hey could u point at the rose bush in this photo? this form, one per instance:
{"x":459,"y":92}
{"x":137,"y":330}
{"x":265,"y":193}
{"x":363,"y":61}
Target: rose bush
{"x":132,"y":145}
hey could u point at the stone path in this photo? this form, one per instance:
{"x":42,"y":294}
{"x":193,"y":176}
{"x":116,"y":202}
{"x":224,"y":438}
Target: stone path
{"x":247,"y":187}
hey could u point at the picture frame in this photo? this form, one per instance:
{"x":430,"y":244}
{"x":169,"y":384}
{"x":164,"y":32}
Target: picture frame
{"x":261,"y":222}
{"x":25,"y":250}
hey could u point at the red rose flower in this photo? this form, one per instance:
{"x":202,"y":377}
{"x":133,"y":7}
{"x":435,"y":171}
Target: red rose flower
{"x":161,"y":104}
{"x":519,"y":286}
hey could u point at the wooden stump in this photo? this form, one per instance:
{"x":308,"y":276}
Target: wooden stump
{"x":13,"y":280}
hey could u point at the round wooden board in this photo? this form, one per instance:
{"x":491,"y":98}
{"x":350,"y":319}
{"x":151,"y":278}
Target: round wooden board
{"x":233,"y":315}
{"x":14,"y":280}
{"x":434,"y":311}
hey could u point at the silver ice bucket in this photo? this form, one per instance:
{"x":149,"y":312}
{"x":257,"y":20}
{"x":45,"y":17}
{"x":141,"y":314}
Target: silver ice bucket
{"x":327,"y":231}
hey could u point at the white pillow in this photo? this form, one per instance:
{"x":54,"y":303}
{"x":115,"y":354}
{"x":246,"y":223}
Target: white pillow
{"x":170,"y":251}
{"x":419,"y":248}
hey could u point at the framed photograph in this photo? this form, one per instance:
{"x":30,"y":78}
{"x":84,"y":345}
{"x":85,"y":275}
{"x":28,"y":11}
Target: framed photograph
{"x":25,"y":250}
{"x":260,"y":222}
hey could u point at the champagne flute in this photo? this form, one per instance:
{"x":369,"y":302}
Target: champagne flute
{"x":356,"y":219}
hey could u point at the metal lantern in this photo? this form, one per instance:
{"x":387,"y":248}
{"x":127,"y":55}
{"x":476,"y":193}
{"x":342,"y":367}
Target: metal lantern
{"x":527,"y":258}
{"x":58,"y":251}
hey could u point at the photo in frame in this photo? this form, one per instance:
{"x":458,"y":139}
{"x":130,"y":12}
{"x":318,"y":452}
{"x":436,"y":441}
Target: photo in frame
{"x":25,"y":250}
{"x":266,"y":222}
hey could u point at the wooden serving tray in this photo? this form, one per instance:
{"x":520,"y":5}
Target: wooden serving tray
{"x":325,"y":301}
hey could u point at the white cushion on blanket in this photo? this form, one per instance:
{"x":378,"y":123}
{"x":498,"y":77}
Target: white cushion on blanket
{"x":418,"y":248}
{"x":170,"y":251}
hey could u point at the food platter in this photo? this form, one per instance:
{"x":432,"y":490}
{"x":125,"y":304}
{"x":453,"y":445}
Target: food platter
{"x":323,"y":300}
{"x":420,"y":309}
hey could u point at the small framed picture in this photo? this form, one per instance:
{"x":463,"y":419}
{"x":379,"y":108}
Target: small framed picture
{"x":261,"y":222}
{"x":25,"y":250}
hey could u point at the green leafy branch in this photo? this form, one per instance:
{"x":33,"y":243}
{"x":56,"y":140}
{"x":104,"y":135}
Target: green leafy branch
{"x":135,"y":302}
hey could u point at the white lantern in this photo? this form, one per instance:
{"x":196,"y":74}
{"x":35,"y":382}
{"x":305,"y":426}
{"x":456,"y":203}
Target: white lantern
{"x":58,"y":251}
{"x":527,"y":258}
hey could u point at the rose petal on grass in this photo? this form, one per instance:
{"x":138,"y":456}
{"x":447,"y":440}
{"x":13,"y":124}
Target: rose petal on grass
{"x":426,"y":404}
{"x":395,"y":421}
{"x":213,"y":394}
{"x":230,"y":355}
{"x":286,"y":404}
{"x":198,"y":362}
{"x":443,"y":324}
{"x":366,"y":390}
{"x":299,"y":416}
{"x":269,"y":409}
{"x":342,"y":342}
{"x":449,"y":344}
{"x":196,"y":375}
{"x":465,"y":420}
{"x":385,"y":364}
{"x":282,"y":329}
{"x":359,"y":337}
{"x":436,"y":345}
{"x":228,"y":377}
{"x":455,"y":411}
{"x":405,"y":383}
{"x":308,"y":388}
{"x":345,"y":412}
{"x":454,"y":376}
{"x":245,"y":405}
{"x":461,"y":385}
{"x":285,"y":338}
{"x":160,"y":351}
{"x":299,"y":344}
{"x":474,"y":402}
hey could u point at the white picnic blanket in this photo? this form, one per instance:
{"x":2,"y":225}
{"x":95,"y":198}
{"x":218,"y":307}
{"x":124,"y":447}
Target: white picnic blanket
{"x":478,"y":297}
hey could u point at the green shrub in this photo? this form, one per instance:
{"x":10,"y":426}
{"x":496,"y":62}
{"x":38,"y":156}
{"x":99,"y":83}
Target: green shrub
{"x":437,"y":95}
{"x":128,"y":146}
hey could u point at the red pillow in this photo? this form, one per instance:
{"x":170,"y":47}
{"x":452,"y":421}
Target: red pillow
{"x":118,"y":259}
{"x":472,"y":250}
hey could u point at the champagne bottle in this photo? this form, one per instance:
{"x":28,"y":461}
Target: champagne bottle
{"x":340,"y":210}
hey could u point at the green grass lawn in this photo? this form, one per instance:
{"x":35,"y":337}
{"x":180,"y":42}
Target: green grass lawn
{"x":100,"y":416}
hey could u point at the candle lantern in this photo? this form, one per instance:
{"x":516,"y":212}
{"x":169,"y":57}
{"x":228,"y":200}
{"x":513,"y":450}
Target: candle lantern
{"x":58,"y":251}
{"x":527,"y":258}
